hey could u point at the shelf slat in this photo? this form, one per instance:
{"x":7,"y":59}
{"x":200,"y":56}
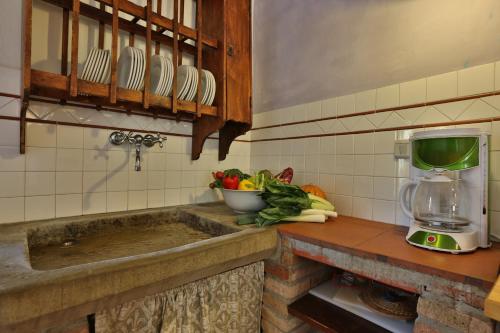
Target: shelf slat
{"x":331,"y":318}
{"x":161,"y":21}
{"x":53,"y":85}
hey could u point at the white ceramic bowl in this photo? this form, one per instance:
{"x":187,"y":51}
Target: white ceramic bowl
{"x":243,"y":201}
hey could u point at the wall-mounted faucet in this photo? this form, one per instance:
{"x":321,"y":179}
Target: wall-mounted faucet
{"x":149,"y":140}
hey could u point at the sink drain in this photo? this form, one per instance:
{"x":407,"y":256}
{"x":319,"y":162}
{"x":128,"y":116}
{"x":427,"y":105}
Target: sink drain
{"x":69,"y":243}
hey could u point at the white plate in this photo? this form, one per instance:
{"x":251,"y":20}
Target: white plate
{"x":170,"y":77}
{"x":142,"y":61}
{"x":204,"y":86}
{"x":194,"y":85}
{"x":157,"y":78}
{"x":135,"y":69}
{"x":106,"y":71}
{"x":88,"y":63}
{"x":99,"y":66}
{"x":183,"y":80}
{"x":125,"y":67}
{"x":210,"y":100}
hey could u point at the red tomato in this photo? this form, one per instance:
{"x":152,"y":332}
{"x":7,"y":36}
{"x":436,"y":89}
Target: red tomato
{"x":230,"y":182}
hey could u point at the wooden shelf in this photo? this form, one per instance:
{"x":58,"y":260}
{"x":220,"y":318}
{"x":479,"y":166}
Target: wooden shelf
{"x":330,"y":318}
{"x":139,"y":13}
{"x":57,"y":86}
{"x":222,"y":45}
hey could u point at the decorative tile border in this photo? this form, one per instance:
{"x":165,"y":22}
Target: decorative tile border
{"x":377,"y":111}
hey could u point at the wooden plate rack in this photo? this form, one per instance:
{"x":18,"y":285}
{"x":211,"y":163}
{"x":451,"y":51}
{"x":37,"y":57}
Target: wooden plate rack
{"x":209,"y":52}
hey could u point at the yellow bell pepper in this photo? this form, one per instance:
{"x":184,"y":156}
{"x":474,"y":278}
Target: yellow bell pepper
{"x":246,"y":185}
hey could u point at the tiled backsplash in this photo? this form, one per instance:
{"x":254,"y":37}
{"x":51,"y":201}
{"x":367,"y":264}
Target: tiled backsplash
{"x":351,"y":156}
{"x":73,"y":170}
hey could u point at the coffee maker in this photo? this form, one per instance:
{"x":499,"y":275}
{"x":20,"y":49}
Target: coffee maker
{"x":446,"y":198}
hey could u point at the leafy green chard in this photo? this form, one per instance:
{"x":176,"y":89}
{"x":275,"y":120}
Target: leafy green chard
{"x":284,"y":201}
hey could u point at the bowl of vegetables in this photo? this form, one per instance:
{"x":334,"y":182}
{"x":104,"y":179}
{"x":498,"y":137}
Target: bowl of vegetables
{"x":242,"y":192}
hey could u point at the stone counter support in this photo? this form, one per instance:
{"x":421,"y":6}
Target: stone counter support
{"x":444,"y":306}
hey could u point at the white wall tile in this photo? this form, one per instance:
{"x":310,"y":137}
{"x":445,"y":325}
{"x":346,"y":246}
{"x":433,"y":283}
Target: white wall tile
{"x":363,"y":165}
{"x":69,"y":182}
{"x":9,"y":133}
{"x":413,"y":92}
{"x":94,"y":203}
{"x":344,"y":164}
{"x":497,"y":75}
{"x":495,"y":135}
{"x":346,"y":105}
{"x":495,"y":224}
{"x":137,"y":180}
{"x":384,"y":211}
{"x":116,"y":201}
{"x":343,"y":184}
{"x":384,"y":188}
{"x":40,"y":207}
{"x":94,"y":138}
{"x":40,"y":135}
{"x":68,"y":205}
{"x":172,"y":197}
{"x":384,"y":142}
{"x":343,"y":204}
{"x":329,"y":107}
{"x":69,"y":160}
{"x":94,"y":181}
{"x":12,"y":209}
{"x":384,"y":165}
{"x":476,"y":80}
{"x":40,"y":183}
{"x":40,"y":159}
{"x":156,"y":198}
{"x":388,"y":97}
{"x":365,"y":100}
{"x":69,"y":136}
{"x":117,"y":160}
{"x":156,"y":180}
{"x":313,"y":110}
{"x":362,"y":208}
{"x":442,"y":86}
{"x":117,"y":181}
{"x":364,"y":143}
{"x":494,"y":195}
{"x":12,"y":184}
{"x":327,"y":182}
{"x":11,"y":160}
{"x":363,"y":186}
{"x":94,"y":160}
{"x":344,"y":144}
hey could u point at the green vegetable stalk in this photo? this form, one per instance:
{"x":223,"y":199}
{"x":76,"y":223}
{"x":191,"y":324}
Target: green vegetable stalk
{"x":285,"y":203}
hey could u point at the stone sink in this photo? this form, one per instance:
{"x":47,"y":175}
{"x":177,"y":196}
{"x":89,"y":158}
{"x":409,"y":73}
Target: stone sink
{"x":71,"y":243}
{"x":56,"y":270}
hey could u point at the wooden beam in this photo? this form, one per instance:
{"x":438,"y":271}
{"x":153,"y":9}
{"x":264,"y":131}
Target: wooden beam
{"x":158,"y":11}
{"x":175,"y":55}
{"x":74,"y":48}
{"x":102,"y":28}
{"x":114,"y":52}
{"x":64,"y":42}
{"x":28,"y":21}
{"x":199,"y":52}
{"x":147,"y":74}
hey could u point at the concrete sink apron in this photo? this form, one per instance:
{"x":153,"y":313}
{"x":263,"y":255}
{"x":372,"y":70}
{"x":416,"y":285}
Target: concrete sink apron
{"x":41,"y":285}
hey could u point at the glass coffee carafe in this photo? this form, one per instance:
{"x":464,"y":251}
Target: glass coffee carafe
{"x":436,"y":202}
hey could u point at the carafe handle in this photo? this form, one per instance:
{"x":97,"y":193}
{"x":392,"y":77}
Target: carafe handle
{"x":406,"y":204}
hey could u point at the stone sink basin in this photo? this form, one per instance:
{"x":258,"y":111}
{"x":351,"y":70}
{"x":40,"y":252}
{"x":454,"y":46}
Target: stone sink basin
{"x":63,"y":269}
{"x":75,"y":243}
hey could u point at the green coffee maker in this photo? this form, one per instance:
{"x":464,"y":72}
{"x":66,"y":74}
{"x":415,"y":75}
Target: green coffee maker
{"x":446,"y":198}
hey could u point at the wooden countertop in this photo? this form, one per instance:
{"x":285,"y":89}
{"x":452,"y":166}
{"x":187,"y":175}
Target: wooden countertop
{"x":386,"y":242}
{"x":492,"y":302}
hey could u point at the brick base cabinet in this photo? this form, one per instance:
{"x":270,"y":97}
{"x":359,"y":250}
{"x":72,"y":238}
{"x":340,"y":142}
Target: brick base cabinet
{"x":443,"y":306}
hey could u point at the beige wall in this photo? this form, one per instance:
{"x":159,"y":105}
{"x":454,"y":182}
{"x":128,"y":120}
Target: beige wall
{"x":305,"y":51}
